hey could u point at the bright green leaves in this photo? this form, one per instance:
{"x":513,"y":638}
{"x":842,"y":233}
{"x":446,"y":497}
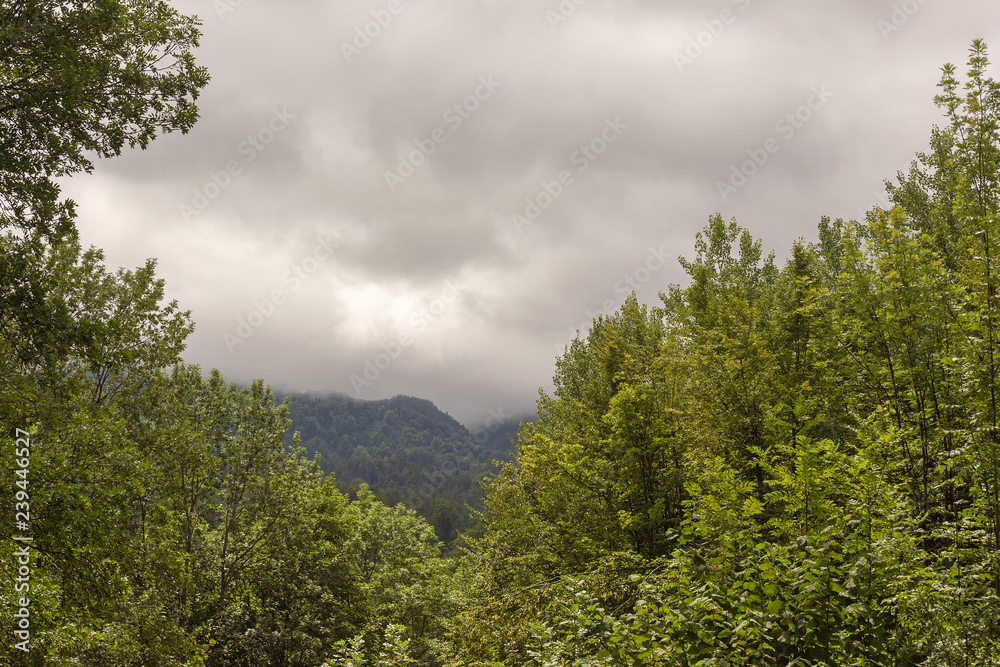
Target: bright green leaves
{"x":748,"y":601}
{"x":391,"y":649}
{"x":646,"y":466}
{"x":403,"y":583}
{"x":808,"y":484}
{"x":603,"y":468}
{"x":123,"y":330}
{"x":729,"y":264}
{"x":951,"y":192}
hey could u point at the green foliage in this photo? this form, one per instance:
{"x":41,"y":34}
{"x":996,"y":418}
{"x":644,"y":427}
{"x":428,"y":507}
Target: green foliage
{"x":602,"y":469}
{"x":832,"y":427}
{"x":395,"y":558}
{"x":835,"y":592}
{"x":392,"y":650}
{"x":172,"y":524}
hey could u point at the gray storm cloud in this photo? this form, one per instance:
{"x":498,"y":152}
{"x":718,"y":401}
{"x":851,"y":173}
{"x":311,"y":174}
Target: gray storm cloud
{"x":235,"y":210}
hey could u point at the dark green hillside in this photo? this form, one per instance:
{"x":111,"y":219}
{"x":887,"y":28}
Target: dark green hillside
{"x":405,"y":449}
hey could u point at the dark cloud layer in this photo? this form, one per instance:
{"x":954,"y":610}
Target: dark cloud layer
{"x":275,"y":217}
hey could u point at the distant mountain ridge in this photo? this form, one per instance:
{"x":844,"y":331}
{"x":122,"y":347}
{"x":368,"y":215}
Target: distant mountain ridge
{"x":405,"y":449}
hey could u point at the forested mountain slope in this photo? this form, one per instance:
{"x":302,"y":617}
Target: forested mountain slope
{"x":406,"y":450}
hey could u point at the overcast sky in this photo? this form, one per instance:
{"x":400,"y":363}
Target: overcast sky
{"x":428,"y":197}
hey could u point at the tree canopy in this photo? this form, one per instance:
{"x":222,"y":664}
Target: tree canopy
{"x":81,"y":79}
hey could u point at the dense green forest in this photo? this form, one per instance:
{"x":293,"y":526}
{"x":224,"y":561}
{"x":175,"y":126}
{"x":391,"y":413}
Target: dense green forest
{"x":405,"y":450}
{"x":775,"y":465}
